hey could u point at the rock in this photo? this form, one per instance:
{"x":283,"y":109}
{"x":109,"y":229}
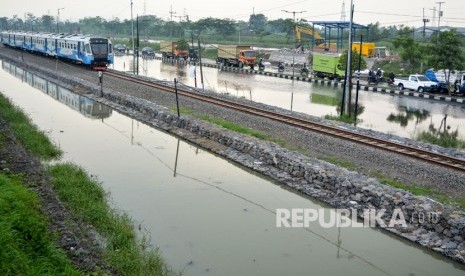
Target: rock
{"x":450,"y":245}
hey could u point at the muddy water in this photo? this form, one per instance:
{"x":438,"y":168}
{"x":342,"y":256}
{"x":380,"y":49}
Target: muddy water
{"x":403,"y":116}
{"x":207,"y":215}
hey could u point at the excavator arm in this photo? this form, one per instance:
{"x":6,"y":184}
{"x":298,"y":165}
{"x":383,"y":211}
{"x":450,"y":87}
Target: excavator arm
{"x":300,"y":29}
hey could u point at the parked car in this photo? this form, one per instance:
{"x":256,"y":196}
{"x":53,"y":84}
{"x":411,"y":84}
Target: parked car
{"x":148,"y":52}
{"x":119,"y":49}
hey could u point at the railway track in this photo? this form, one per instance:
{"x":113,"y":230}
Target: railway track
{"x":405,"y":150}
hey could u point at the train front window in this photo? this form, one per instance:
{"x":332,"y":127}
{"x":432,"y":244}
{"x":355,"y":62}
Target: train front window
{"x":99,"y":49}
{"x":99,"y":46}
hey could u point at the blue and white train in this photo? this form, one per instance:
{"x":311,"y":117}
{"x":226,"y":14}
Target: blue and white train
{"x":95,"y":52}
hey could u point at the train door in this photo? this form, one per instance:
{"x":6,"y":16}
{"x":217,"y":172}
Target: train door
{"x":80,"y":49}
{"x":46,"y":46}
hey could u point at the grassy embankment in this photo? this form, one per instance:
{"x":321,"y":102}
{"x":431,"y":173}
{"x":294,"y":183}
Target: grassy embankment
{"x":26,"y":248}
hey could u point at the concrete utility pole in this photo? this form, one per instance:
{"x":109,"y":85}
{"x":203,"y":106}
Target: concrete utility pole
{"x":293,"y":39}
{"x":58,"y":19}
{"x":349,"y":60}
{"x":171,"y":20}
{"x":133,"y":46}
{"x":439,"y":13}
{"x":425,"y":20}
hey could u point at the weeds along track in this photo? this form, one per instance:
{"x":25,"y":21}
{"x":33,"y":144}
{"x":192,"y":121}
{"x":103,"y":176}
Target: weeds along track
{"x":393,"y":147}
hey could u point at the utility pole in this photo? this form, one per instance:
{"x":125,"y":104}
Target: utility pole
{"x":58,"y":19}
{"x":433,"y":22}
{"x":137,"y":44}
{"x":133,"y":46}
{"x":348,"y":67}
{"x":171,"y":20}
{"x":439,"y":13}
{"x":293,"y":40}
{"x":425,"y":20}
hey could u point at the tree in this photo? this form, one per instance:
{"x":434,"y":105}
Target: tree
{"x":257,"y":22}
{"x":374,"y":31}
{"x":47,"y":21}
{"x":354,"y":62}
{"x":182,"y":45}
{"x":4,"y":23}
{"x":446,"y":52}
{"x":225,"y":27}
{"x":411,"y":52}
{"x":30,"y":20}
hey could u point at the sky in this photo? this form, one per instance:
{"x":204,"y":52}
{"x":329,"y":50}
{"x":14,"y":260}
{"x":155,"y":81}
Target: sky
{"x":390,"y":12}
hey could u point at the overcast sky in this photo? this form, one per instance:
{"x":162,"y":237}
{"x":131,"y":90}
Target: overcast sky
{"x":390,"y":12}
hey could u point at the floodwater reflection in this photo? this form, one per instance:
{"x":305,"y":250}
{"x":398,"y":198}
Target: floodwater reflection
{"x":207,"y":215}
{"x":406,"y":114}
{"x":76,"y":102}
{"x":306,"y":97}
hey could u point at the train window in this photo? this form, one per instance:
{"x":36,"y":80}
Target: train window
{"x":87,"y":48}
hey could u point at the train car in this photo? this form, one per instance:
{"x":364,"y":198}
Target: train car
{"x":95,"y":52}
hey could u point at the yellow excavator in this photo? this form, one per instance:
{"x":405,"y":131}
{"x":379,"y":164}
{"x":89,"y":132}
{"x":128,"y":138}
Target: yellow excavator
{"x":298,"y":33}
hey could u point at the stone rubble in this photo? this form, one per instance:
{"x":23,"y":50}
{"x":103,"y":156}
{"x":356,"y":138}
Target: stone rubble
{"x":442,"y":228}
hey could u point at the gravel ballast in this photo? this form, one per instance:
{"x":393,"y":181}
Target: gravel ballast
{"x":339,"y":187}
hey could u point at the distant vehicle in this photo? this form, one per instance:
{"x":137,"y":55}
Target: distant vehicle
{"x":327,"y":65}
{"x":418,"y":83}
{"x":95,"y":52}
{"x":261,"y":65}
{"x":119,"y":49}
{"x":368,"y":48}
{"x":237,"y":55}
{"x":459,"y":84}
{"x":441,"y":86}
{"x":301,"y":29}
{"x":304,"y":70}
{"x":169,"y":49}
{"x":193,"y":54}
{"x":148,"y":52}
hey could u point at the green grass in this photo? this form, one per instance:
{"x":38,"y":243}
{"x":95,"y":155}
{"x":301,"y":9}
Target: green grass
{"x":31,"y":138}
{"x":228,"y":125}
{"x":25,"y":245}
{"x":442,"y":139}
{"x":88,"y":202}
{"x":324,"y":99}
{"x":236,"y":128}
{"x":336,"y":161}
{"x":423,"y":191}
{"x":345,"y":118}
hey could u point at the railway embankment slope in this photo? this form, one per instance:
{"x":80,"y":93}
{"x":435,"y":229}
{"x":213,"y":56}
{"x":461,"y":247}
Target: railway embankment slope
{"x":301,"y":171}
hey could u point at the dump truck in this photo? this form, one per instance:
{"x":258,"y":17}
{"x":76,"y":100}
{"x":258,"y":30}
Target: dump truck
{"x":368,"y":49}
{"x":327,"y":65}
{"x":236,"y":55}
{"x":169,"y":49}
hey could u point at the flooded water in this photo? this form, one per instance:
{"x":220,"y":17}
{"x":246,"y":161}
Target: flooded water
{"x":207,"y":215}
{"x":403,"y":116}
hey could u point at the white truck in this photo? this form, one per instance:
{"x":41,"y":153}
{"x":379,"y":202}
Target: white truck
{"x":418,"y":83}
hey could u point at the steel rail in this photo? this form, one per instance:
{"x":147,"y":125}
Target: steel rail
{"x":405,"y":150}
